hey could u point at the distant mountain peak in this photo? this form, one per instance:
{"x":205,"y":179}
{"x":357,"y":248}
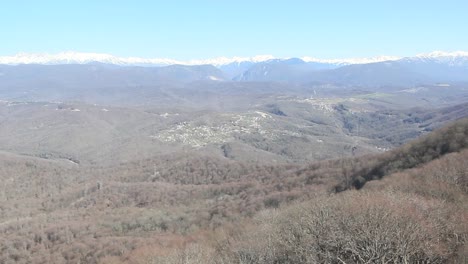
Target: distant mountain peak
{"x":352,"y":60}
{"x":72,"y":57}
{"x":438,"y":54}
{"x":225,"y":60}
{"x":455,"y":58}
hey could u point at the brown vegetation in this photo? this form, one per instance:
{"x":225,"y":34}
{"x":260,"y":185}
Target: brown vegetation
{"x":184,"y":209}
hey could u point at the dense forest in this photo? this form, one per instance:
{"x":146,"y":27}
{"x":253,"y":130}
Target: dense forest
{"x":407,"y":205}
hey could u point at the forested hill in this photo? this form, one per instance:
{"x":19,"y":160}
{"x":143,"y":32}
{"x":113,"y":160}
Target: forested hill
{"x":416,"y":213}
{"x":404,"y":205}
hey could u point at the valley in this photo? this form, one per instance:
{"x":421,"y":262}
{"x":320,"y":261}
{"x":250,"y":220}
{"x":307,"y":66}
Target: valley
{"x":233,"y":132}
{"x":104,"y":163}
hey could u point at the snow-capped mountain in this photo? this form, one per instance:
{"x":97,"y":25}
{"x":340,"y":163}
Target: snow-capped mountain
{"x":430,"y":68}
{"x":350,"y":61}
{"x":71,"y":57}
{"x":458,"y":58}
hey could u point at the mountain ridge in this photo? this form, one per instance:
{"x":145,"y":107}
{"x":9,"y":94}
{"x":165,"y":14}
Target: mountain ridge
{"x":431,"y":69}
{"x":71,"y":57}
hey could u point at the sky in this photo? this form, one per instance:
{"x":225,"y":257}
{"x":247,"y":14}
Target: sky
{"x":199,"y":29}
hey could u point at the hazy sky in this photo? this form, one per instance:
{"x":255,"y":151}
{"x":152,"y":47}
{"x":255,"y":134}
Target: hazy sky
{"x":204,"y":29}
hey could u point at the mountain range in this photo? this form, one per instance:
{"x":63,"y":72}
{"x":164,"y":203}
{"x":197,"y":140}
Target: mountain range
{"x":71,"y":57}
{"x":104,"y":160}
{"x":74,"y":69}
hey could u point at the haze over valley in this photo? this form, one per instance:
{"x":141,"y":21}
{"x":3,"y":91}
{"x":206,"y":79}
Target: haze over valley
{"x":266,"y":118}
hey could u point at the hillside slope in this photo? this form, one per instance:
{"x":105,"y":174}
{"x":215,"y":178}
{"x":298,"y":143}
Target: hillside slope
{"x":56,"y":211}
{"x":411,"y":216}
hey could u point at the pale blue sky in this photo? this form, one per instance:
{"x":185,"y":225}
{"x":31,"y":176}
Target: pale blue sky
{"x":205,"y":29}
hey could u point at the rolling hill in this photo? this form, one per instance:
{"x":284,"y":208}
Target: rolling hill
{"x":139,"y":211}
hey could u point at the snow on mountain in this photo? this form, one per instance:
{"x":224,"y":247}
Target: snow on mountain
{"x":456,"y":58}
{"x":220,"y":61}
{"x":70,"y":57}
{"x":443,"y":54}
{"x":351,"y":60}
